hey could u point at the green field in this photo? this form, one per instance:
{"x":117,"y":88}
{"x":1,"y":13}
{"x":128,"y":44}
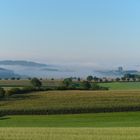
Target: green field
{"x":122,"y":85}
{"x":123,"y":119}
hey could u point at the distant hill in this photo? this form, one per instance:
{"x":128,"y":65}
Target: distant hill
{"x":28,"y":68}
{"x":5,"y":73}
{"x":22,"y":63}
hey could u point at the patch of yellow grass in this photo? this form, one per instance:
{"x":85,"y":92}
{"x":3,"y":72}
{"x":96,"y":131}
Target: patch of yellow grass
{"x":70,"y":133}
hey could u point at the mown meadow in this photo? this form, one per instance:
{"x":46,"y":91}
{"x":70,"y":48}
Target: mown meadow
{"x":96,"y":120}
{"x":99,"y":126}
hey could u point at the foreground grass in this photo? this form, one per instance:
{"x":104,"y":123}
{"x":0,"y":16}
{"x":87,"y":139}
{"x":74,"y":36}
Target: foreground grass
{"x":125,"y":119}
{"x":69,"y":133}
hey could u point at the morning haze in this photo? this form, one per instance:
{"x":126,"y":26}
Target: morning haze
{"x":96,"y":32}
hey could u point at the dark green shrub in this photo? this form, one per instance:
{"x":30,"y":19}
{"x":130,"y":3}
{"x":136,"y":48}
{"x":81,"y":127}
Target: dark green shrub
{"x":72,"y":87}
{"x":62,"y":88}
{"x":67,"y":82}
{"x":2,"y":93}
{"x":86,"y":85}
{"x":13,"y":78}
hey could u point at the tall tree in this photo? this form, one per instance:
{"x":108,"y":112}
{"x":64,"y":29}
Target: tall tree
{"x":36,"y":82}
{"x":90,"y":78}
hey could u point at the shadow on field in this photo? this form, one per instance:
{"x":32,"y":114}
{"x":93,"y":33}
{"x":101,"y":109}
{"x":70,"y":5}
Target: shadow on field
{"x":3,"y":117}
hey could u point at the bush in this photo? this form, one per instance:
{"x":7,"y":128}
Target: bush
{"x":67,"y":82}
{"x":72,"y":87}
{"x":90,"y":78}
{"x":62,"y":88}
{"x":2,"y":93}
{"x":86,"y":85}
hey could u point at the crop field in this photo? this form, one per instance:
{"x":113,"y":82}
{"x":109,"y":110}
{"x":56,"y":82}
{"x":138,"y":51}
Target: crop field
{"x":70,"y":133}
{"x":63,"y":102}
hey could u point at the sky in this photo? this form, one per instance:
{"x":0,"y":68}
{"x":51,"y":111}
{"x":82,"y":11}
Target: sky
{"x":83,"y":32}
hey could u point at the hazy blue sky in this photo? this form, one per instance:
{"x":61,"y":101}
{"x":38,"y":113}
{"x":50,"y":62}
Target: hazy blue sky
{"x":88,"y":32}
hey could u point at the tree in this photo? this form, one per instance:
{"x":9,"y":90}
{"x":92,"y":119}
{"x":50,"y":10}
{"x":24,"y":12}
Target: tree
{"x":2,"y":93}
{"x":86,"y":85}
{"x":90,"y":78}
{"x":123,"y":78}
{"x":67,"y":82}
{"x":117,"y":79}
{"x":78,"y":79}
{"x":18,"y":78}
{"x":96,"y":79}
{"x":13,"y":78}
{"x":36,"y":83}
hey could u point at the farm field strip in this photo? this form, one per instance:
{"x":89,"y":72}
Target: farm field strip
{"x":70,"y":133}
{"x":23,"y":83}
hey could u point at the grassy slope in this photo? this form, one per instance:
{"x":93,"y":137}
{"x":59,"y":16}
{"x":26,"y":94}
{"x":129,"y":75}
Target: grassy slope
{"x":70,"y":134}
{"x":125,"y":119}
